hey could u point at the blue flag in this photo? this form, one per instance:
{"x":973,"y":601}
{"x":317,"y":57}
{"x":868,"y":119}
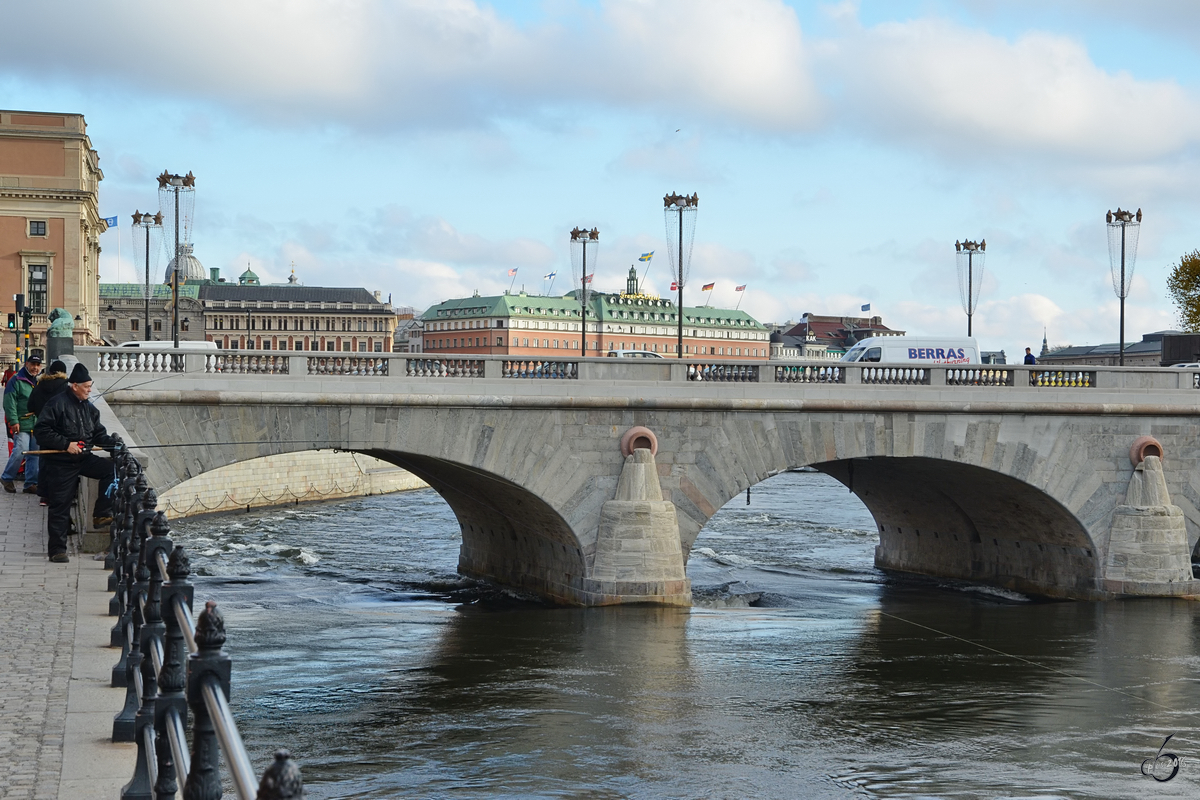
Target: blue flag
{"x":646,"y":256}
{"x":550,"y":276}
{"x":111,"y":221}
{"x":867,"y":307}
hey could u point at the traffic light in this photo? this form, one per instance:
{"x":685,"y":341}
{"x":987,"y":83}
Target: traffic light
{"x":12,"y":322}
{"x":20,"y":302}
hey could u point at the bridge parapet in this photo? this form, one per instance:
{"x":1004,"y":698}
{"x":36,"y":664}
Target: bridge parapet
{"x":408,"y":367}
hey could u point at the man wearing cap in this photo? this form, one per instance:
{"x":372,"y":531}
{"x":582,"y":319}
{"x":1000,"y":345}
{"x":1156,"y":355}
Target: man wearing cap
{"x":70,"y":424}
{"x":20,"y":420}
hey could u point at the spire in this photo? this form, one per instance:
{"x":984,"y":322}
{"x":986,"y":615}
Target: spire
{"x":1045,"y":347}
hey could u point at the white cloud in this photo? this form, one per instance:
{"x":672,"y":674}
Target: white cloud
{"x":948,"y":86}
{"x":430,"y":62}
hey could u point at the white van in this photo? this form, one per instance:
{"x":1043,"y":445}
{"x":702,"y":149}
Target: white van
{"x":159,"y":347}
{"x":914,"y":350}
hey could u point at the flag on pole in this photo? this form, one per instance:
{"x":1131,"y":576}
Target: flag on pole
{"x":741,"y":288}
{"x":548,"y":277}
{"x":866,"y":307}
{"x":588,"y":279}
{"x":512,"y":271}
{"x":646,"y":256}
{"x":110,"y":222}
{"x":674,"y":286}
{"x":708,"y":287}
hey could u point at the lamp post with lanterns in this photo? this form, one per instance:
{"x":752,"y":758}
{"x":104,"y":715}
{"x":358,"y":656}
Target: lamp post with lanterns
{"x":969,"y":279}
{"x":1123,"y":230}
{"x":171,"y":186}
{"x":679,"y":213}
{"x":583,"y":242}
{"x":152,"y":225}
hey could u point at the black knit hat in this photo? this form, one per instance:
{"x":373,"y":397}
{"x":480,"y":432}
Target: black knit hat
{"x":79,"y":375}
{"x":57,"y":366}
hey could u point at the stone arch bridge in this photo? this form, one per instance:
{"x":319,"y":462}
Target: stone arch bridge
{"x":1017,"y":477}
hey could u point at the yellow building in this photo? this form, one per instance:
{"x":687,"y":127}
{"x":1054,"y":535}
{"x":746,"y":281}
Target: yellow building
{"x":50,"y":222}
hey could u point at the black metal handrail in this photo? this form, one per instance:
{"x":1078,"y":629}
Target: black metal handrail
{"x":170,"y":665}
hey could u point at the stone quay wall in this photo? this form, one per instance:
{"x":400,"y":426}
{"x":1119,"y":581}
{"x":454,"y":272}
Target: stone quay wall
{"x":285,"y":479}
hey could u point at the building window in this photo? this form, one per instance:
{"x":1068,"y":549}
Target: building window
{"x":345,"y":347}
{"x":362,"y":347}
{"x":499,"y":341}
{"x":37,"y":288}
{"x":379,"y":347}
{"x":133,"y":324}
{"x":524,"y":343}
{"x":112,"y":324}
{"x":158,"y":326}
{"x":183,"y":324}
{"x":37,"y":227}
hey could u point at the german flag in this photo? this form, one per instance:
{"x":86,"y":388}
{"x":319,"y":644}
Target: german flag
{"x":708,"y":287}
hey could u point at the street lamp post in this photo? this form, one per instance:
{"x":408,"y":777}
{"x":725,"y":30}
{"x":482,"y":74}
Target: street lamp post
{"x":969,"y":279}
{"x":583,"y":241}
{"x":679,"y":213}
{"x":149,"y":224}
{"x":173,"y":184}
{"x":1123,"y":230}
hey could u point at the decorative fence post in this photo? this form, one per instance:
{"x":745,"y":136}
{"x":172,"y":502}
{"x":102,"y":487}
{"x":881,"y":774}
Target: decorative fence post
{"x":171,"y":680}
{"x":208,"y":663}
{"x":137,"y":582}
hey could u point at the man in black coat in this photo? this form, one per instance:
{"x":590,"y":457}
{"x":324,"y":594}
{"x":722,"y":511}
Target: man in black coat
{"x":71,"y":424}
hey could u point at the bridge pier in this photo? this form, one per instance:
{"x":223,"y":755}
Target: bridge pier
{"x":638,"y":556}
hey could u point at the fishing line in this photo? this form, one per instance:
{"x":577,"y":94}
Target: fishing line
{"x":113,"y":388}
{"x":1031,"y":662}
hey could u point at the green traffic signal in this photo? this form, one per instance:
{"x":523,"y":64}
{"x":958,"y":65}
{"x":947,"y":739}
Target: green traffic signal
{"x":12,"y":322}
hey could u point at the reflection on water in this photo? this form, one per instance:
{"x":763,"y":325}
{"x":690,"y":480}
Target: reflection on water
{"x":803,"y":673}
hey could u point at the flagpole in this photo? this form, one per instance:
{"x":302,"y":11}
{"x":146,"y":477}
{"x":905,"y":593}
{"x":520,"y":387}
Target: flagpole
{"x":513,"y":282}
{"x":649,"y":262}
{"x":741,"y":294}
{"x":118,"y":253}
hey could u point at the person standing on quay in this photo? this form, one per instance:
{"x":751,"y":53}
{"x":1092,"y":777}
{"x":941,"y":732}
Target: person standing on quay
{"x":51,"y":382}
{"x":70,"y":424}
{"x":19,"y":420}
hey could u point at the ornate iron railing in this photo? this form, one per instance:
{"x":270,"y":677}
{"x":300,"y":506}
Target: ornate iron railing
{"x":170,"y":667}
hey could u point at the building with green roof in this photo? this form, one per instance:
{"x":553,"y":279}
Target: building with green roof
{"x":521,"y":324}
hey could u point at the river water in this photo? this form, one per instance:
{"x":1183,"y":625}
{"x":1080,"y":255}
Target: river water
{"x":802,"y":671}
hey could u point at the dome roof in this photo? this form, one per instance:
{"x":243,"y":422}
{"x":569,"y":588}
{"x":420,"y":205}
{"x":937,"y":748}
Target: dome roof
{"x":190,"y":268}
{"x":248,"y":278}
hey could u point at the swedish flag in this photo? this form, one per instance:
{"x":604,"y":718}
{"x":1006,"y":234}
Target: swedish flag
{"x":647,"y":256}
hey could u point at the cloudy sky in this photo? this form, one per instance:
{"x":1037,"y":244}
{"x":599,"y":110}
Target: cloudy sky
{"x":425,"y":148}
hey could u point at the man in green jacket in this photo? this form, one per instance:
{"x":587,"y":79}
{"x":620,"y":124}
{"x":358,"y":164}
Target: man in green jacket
{"x":19,"y":421}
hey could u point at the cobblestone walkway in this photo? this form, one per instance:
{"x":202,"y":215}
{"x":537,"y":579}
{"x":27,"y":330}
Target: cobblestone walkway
{"x":56,"y":707}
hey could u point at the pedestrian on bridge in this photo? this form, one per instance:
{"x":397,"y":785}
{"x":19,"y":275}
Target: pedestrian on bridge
{"x":70,"y":424}
{"x":1030,"y":358}
{"x":20,"y":420}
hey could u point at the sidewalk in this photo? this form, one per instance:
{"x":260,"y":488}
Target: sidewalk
{"x":56,"y":705}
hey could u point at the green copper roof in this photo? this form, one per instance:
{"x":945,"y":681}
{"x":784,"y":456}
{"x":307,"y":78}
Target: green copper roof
{"x":125,"y":291}
{"x":608,"y":307}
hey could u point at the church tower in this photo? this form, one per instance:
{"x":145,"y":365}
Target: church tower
{"x":631,"y":283}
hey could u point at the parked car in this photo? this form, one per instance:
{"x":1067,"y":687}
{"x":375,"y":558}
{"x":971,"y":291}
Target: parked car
{"x":159,"y":347}
{"x":632,"y":354}
{"x":1185,"y":366}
